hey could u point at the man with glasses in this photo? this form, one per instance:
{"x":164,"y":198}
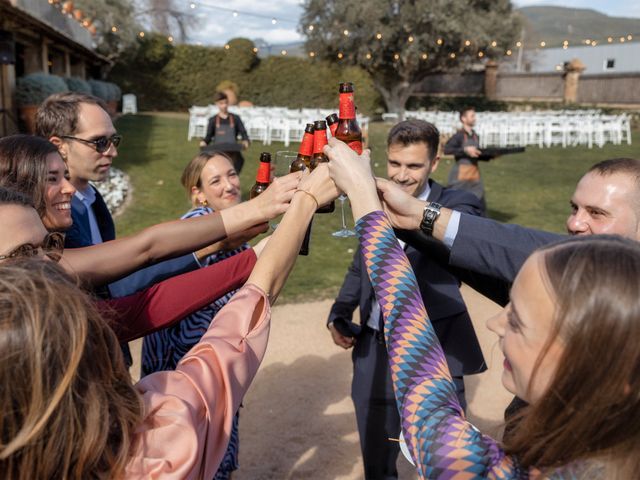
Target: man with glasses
{"x":79,"y":125}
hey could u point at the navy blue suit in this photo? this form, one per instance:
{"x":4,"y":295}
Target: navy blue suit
{"x":79,"y":235}
{"x":372,"y":390}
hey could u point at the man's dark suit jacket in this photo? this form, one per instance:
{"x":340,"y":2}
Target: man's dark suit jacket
{"x":440,"y":291}
{"x":79,"y":235}
{"x":486,"y":254}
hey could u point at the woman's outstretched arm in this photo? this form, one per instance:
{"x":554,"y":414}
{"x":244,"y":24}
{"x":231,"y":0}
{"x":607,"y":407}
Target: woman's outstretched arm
{"x":109,"y":261}
{"x":442,"y":443}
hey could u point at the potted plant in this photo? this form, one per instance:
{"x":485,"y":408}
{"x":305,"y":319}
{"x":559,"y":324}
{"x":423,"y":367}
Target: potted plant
{"x":106,"y":92}
{"x":31,"y":91}
{"x":77,"y":84}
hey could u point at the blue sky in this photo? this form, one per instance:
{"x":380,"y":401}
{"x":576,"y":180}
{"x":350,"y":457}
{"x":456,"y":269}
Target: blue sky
{"x":218,"y":26}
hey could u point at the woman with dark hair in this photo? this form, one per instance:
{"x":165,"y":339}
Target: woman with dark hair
{"x":28,"y":164}
{"x":569,"y":336}
{"x":72,"y":411}
{"x":212,"y":184}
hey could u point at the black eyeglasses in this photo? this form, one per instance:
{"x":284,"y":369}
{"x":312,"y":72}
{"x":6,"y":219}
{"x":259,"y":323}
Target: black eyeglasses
{"x":101,"y":144}
{"x":52,"y":246}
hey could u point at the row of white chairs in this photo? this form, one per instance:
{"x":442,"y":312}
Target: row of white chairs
{"x":266,"y":124}
{"x":566,"y":128}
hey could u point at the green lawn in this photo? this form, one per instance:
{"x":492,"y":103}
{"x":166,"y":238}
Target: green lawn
{"x":531,"y":189}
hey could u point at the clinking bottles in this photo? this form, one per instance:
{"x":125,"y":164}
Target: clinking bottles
{"x":348,"y":129}
{"x":263,"y":176}
{"x":303,"y":160}
{"x":319,"y":141}
{"x":332,"y":123}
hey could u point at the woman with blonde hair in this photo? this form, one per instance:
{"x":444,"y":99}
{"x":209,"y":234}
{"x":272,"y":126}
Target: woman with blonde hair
{"x":212,"y":184}
{"x":569,"y":335}
{"x":70,"y":409}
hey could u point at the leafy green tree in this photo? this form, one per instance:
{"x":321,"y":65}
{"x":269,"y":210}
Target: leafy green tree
{"x":401,"y":42}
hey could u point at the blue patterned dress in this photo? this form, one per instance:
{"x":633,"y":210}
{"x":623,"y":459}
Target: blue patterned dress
{"x":162,"y":350}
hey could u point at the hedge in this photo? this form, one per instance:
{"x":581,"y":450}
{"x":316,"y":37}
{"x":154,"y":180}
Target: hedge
{"x":190,"y":74}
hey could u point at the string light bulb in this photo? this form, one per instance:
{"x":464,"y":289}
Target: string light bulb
{"x":340,"y":56}
{"x":621,"y":39}
{"x":114,"y":29}
{"x":227,"y":46}
{"x":170,"y":38}
{"x":192,"y":5}
{"x":467,"y":43}
{"x":346,"y":32}
{"x":518,"y":44}
{"x":543,"y":44}
{"x":629,"y":37}
{"x":379,"y":36}
{"x":609,"y":39}
{"x":410,"y":39}
{"x":452,"y":55}
{"x":368,"y":55}
{"x":494,"y":44}
{"x":141,"y":34}
{"x":311,"y":28}
{"x":283,"y":52}
{"x":439,"y":41}
{"x":396,"y":56}
{"x":255,"y":49}
{"x":312,"y":54}
{"x":274,"y":21}
{"x":425,"y":56}
{"x":509,"y":53}
{"x":235,"y":14}
{"x":480,"y":54}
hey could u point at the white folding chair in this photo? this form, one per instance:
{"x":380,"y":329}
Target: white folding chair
{"x":129,"y":103}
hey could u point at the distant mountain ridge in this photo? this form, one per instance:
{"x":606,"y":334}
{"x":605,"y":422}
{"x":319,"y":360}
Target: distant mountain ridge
{"x":556,"y":24}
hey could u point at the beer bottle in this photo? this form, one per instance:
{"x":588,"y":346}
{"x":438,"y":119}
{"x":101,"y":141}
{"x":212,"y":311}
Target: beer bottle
{"x":348,"y":129}
{"x":303,"y":160}
{"x":319,"y":141}
{"x":332,"y":123}
{"x":263,"y":176}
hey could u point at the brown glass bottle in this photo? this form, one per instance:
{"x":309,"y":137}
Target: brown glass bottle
{"x":332,"y":123}
{"x":303,"y":160}
{"x":319,"y":141}
{"x":348,"y":129}
{"x":263,"y":176}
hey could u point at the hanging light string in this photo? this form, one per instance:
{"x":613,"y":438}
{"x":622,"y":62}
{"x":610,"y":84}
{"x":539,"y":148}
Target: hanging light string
{"x":236,"y":13}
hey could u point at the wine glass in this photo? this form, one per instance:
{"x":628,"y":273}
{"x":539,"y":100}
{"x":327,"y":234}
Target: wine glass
{"x":344,"y":232}
{"x":283,"y":162}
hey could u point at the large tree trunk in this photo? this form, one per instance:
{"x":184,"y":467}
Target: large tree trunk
{"x":395,"y":97}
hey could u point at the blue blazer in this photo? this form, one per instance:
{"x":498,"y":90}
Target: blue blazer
{"x":439,"y":288}
{"x":79,"y":235}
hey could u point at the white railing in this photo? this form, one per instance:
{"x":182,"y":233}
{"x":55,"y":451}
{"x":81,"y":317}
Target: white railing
{"x":567,"y":128}
{"x":266,"y":124}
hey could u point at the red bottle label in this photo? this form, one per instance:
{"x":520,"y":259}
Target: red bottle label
{"x":306,"y":147}
{"x":356,"y":147}
{"x":319,"y":140}
{"x":333,"y":128}
{"x":264,"y":173}
{"x":347,"y":107}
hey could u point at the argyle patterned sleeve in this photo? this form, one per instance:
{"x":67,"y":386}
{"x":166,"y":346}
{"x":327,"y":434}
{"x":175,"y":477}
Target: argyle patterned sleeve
{"x":442,"y":443}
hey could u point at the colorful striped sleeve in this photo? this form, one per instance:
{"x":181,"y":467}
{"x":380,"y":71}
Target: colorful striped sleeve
{"x":442,"y":443}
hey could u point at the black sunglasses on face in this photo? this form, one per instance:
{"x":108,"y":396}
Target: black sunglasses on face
{"x":52,"y":246}
{"x":101,"y":144}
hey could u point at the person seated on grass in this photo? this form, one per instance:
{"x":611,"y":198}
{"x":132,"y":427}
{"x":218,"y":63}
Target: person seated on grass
{"x":72,"y":410}
{"x":35,"y":167}
{"x":212,"y":184}
{"x":569,"y":336}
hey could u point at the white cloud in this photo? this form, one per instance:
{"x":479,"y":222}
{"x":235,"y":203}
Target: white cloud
{"x":219,"y":26}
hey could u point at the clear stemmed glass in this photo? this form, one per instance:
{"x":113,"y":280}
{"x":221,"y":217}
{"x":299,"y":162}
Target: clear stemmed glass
{"x":344,"y":231}
{"x":284,"y":159}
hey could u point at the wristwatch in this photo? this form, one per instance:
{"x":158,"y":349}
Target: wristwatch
{"x":429,"y":217}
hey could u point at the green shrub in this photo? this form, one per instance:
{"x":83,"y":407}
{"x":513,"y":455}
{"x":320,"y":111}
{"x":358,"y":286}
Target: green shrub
{"x":191,"y":74}
{"x":99,"y":89}
{"x":76,"y":84}
{"x":34,"y":88}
